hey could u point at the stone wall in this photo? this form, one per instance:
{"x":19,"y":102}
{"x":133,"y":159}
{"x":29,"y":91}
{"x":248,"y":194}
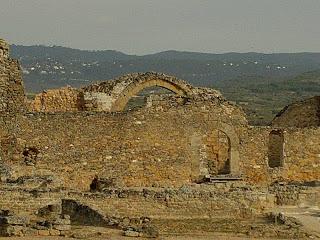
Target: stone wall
{"x":124,"y":147}
{"x":65,"y":99}
{"x":300,"y":155}
{"x":155,"y":203}
{"x":12,"y":97}
{"x":301,"y":114}
{"x":152,"y":147}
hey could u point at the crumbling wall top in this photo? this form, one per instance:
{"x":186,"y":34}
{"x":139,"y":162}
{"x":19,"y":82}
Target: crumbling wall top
{"x":4,"y":49}
{"x":301,"y":114}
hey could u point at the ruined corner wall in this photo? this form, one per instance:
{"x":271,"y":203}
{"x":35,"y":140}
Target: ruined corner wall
{"x":64,"y":99}
{"x":12,"y":96}
{"x":301,"y":114}
{"x":300,"y":161}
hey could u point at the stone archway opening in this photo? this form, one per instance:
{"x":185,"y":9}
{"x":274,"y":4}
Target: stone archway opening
{"x":276,"y":149}
{"x":114,"y":95}
{"x":135,"y":88}
{"x":218,"y":153}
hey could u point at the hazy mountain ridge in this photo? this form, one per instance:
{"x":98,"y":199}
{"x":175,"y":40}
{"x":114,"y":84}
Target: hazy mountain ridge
{"x":60,"y":64}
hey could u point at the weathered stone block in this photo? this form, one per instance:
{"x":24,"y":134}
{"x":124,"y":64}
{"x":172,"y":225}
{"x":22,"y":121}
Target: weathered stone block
{"x":43,"y":232}
{"x":14,"y":220}
{"x":11,"y":230}
{"x":131,"y":233}
{"x":54,"y":232}
{"x":61,"y":221}
{"x":62,"y":227}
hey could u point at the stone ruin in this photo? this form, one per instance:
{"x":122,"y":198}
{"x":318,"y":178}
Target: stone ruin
{"x":185,"y":163}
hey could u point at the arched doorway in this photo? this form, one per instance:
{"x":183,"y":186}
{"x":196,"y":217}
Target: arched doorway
{"x":218,"y":153}
{"x":275,"y":149}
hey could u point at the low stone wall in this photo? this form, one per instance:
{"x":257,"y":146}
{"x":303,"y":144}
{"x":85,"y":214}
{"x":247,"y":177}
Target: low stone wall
{"x":155,"y":203}
{"x":65,"y":99}
{"x":228,"y":208}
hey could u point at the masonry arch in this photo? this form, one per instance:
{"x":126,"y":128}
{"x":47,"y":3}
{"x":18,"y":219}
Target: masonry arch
{"x":217,"y":149}
{"x":233,"y":144}
{"x":113,"y":95}
{"x":134,"y":88}
{"x":233,"y":155}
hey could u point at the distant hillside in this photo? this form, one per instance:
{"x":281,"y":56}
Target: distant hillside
{"x":263,"y":97}
{"x":46,"y":67}
{"x":261,"y":83}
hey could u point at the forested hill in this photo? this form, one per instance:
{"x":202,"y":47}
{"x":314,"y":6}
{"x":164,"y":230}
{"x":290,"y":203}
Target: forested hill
{"x":261,"y":83}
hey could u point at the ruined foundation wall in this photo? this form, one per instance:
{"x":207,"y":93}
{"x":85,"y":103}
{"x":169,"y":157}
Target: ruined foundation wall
{"x":220,"y":201}
{"x":154,"y":203}
{"x":64,"y":99}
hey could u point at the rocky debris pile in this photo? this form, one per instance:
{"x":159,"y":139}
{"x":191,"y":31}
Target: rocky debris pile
{"x":52,"y":221}
{"x":66,"y":99}
{"x":206,"y":94}
{"x":290,"y":227}
{"x":30,"y":155}
{"x":281,"y":218}
{"x":139,"y":227}
{"x":165,"y":100}
{"x":33,"y":182}
{"x":5,"y":172}
{"x":98,"y":183}
{"x":144,"y":231}
{"x":55,"y":224}
{"x":12,"y":225}
{"x":58,"y":226}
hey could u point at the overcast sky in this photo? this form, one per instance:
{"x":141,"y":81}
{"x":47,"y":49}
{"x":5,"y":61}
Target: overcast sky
{"x":148,"y":26}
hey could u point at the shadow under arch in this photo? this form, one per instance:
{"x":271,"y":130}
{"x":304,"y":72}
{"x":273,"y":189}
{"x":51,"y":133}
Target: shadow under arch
{"x":84,"y":215}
